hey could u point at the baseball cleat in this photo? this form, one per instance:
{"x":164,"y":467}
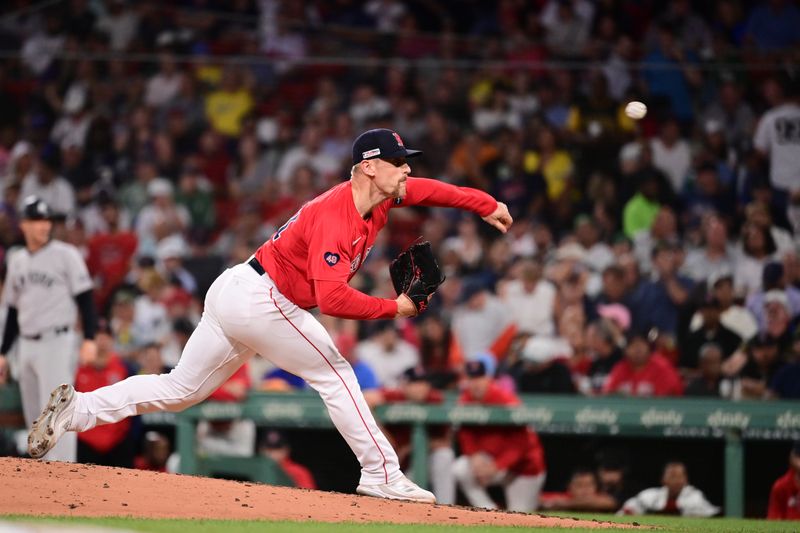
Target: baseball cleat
{"x":400,"y":489}
{"x":53,"y":421}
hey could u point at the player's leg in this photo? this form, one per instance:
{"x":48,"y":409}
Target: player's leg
{"x":476,"y":494}
{"x":294,"y":340}
{"x":443,"y":482}
{"x":29,"y":382}
{"x":56,"y":360}
{"x":522,"y":493}
{"x":208,"y":359}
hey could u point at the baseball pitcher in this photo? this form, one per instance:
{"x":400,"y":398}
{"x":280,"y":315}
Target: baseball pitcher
{"x":261,"y":306}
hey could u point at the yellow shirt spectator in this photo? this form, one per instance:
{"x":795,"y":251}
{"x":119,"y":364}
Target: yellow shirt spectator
{"x":226,"y":109}
{"x":557,"y":170}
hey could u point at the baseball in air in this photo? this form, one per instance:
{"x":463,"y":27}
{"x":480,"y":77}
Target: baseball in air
{"x":636,"y":110}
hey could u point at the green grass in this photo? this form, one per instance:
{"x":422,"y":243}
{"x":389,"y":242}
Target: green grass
{"x":664,"y":525}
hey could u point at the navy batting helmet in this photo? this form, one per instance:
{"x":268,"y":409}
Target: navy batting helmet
{"x":35,"y":209}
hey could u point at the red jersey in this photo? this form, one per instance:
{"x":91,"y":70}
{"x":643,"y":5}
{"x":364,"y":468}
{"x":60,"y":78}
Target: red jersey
{"x":300,"y":475}
{"x":401,"y":433}
{"x":321,"y":247}
{"x":241,"y":376}
{"x":514,"y":448}
{"x":784,"y":498}
{"x":88,"y":378}
{"x":657,"y":378}
{"x":109,"y":259}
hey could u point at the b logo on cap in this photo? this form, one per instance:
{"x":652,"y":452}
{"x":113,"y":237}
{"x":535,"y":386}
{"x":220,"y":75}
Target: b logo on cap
{"x":398,"y":139}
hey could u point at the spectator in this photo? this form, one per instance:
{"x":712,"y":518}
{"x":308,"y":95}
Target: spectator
{"x":227,"y":106}
{"x":661,"y":298}
{"x":671,"y":154}
{"x":675,"y":496}
{"x":150,"y":323}
{"x":784,"y":497}
{"x":671,"y":73}
{"x":712,"y":331}
{"x":582,"y":495}
{"x":108,"y":445}
{"x":733,"y":316}
{"x":46,"y":184}
{"x":170,"y":254}
{"x":771,"y":25}
{"x":643,"y":373}
{"x":162,"y":218}
{"x":532,"y":297}
{"x":120,"y":23}
{"x":732,"y":115}
{"x":541,"y":370}
{"x":613,"y":479}
{"x":640,"y":212}
{"x":710,"y":381}
{"x":773,"y":137}
{"x":509,"y":456}
{"x":786,"y":382}
{"x":481,"y":323}
{"x":773,"y":279}
{"x":387,"y":354}
{"x":165,"y":85}
{"x":275,"y":446}
{"x":603,"y":342}
{"x":155,"y":453}
{"x":308,"y":153}
{"x":436,"y":345}
{"x":763,"y":363}
{"x":195,"y":194}
{"x":110,"y":253}
{"x":553,"y":162}
{"x":715,"y":256}
{"x":664,"y":228}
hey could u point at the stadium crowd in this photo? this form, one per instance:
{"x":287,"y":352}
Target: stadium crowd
{"x":657,"y":257}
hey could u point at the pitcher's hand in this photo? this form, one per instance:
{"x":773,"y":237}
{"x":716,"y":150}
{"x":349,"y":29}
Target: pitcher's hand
{"x":500,"y":218}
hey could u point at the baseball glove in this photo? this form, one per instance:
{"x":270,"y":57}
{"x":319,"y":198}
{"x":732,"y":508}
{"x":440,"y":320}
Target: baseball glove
{"x":416,"y":274}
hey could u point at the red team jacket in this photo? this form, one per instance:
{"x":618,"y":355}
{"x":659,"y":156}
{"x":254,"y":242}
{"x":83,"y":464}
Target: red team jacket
{"x":784,"y":499}
{"x":516,"y":449}
{"x":88,"y":378}
{"x":657,"y":378}
{"x":319,"y":249}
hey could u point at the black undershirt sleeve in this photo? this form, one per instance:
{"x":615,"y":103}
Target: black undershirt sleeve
{"x":88,"y":315}
{"x":11,"y":330}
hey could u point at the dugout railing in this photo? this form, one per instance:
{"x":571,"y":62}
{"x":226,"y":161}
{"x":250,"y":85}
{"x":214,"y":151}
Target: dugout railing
{"x":692,"y":418}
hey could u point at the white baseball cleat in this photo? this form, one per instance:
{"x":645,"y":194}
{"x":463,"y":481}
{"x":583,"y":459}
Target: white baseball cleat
{"x":400,"y":489}
{"x":53,"y":421}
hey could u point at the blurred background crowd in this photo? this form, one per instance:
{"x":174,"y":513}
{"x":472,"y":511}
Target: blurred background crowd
{"x":648,"y":258}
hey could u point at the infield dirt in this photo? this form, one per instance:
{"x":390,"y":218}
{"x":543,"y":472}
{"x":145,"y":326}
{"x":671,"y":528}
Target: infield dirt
{"x":42,"y":488}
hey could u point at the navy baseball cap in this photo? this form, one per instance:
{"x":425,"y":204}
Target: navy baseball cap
{"x":35,"y":209}
{"x":380,"y":143}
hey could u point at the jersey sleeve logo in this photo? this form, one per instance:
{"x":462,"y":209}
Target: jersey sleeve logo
{"x":331,"y":258}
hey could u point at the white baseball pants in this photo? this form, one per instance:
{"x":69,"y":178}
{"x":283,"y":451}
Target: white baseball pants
{"x":44,"y":365}
{"x":245,"y":314}
{"x":522,"y":492}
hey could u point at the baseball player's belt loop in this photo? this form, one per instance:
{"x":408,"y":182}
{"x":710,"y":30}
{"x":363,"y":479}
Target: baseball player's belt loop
{"x":40,"y":336}
{"x":253,"y":262}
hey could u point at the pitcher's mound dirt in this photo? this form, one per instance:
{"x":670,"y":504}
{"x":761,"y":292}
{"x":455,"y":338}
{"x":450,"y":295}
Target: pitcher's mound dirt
{"x":65,"y":489}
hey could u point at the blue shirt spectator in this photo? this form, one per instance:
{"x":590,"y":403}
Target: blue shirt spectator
{"x":774,"y":25}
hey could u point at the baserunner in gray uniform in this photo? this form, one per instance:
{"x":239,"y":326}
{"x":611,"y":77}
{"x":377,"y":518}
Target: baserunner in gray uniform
{"x":47,"y":282}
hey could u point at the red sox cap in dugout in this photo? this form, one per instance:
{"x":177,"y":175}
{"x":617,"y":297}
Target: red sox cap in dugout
{"x":380,"y":144}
